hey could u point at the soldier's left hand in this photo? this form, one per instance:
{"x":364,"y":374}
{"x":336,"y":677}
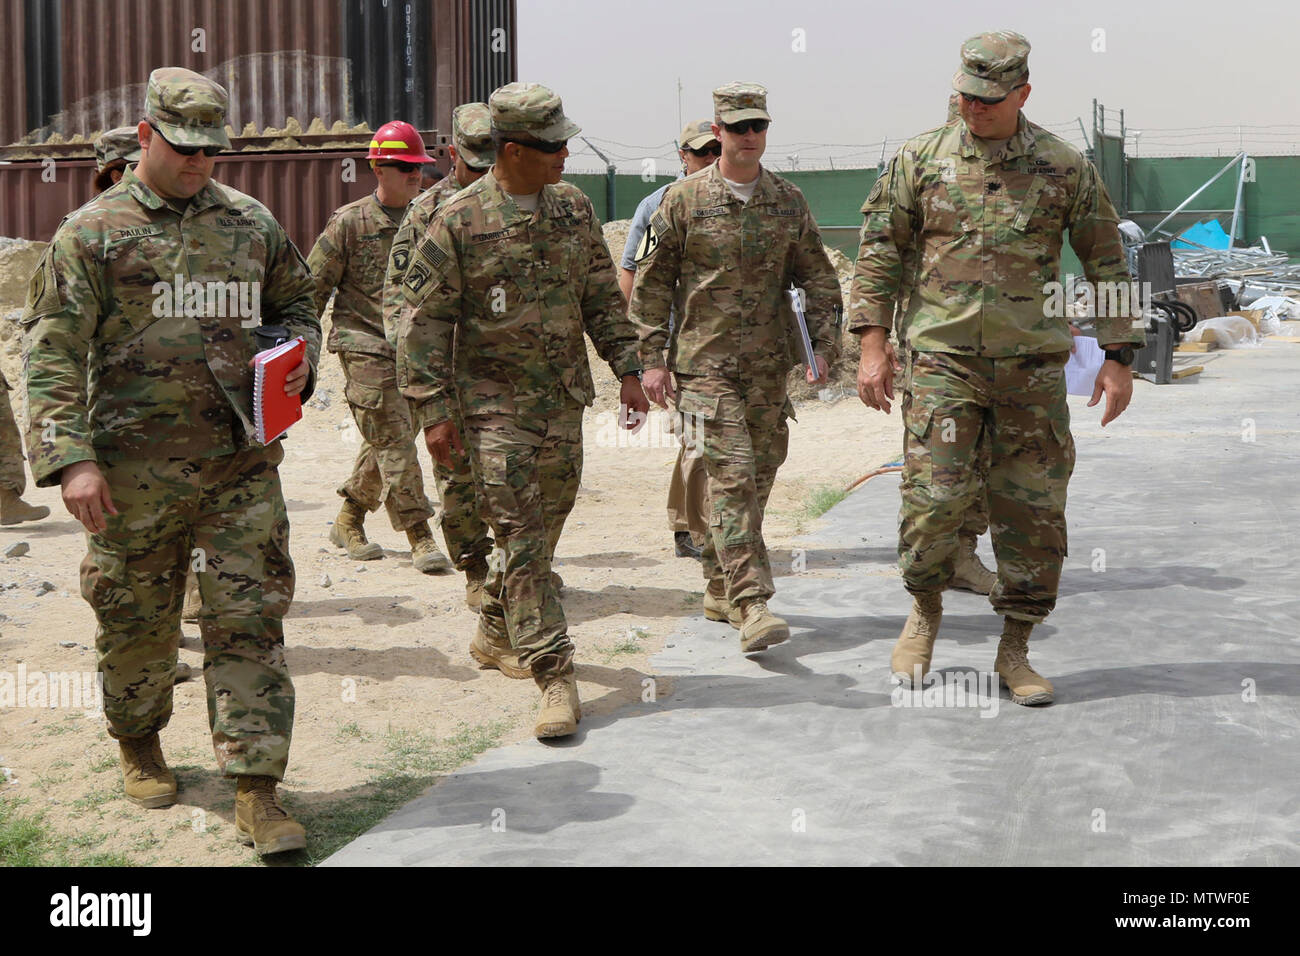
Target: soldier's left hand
{"x":822,"y":372}
{"x":633,"y":406}
{"x":1116,"y":380}
{"x":296,"y":380}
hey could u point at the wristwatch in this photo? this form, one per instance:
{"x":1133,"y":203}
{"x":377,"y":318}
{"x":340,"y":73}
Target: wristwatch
{"x":1124,"y":355}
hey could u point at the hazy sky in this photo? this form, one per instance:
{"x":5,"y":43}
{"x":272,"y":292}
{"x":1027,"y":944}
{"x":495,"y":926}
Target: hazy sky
{"x":1187,"y":73}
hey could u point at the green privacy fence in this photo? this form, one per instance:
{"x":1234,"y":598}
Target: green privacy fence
{"x":1155,"y":186}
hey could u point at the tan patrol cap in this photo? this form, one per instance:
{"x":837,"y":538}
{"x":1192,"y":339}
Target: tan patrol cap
{"x":187,"y":107}
{"x":471,"y":132}
{"x":531,"y":110}
{"x":122,"y":143}
{"x":697,"y":133}
{"x":740,"y":101}
{"x":992,"y":64}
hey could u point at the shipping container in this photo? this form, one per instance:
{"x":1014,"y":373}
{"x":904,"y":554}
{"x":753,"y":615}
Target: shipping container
{"x":301,"y":189}
{"x":78,"y":67}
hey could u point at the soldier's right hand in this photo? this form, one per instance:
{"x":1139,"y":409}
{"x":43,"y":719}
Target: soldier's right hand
{"x":86,"y":496}
{"x":443,"y":441}
{"x":657,"y":383}
{"x":877,"y":364}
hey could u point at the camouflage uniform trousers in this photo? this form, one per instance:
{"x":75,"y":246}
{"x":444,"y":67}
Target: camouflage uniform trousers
{"x":1018,"y":405}
{"x":463,"y":527}
{"x":743,"y":432}
{"x":976,"y":520}
{"x":387,"y":470}
{"x":527,"y":468}
{"x":231,"y":507}
{"x":688,"y":490}
{"x":12,"y":475}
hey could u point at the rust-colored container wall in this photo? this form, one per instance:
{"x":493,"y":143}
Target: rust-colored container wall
{"x":77,"y":67}
{"x":300,"y":189}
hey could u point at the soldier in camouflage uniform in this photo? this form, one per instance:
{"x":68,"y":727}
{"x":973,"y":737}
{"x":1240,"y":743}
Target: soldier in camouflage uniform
{"x":499,"y":291}
{"x":735,"y":236}
{"x":980,"y":206}
{"x":351,"y":256}
{"x":463,"y":528}
{"x":114,"y":151}
{"x":140,"y":331}
{"x":13,"y":479}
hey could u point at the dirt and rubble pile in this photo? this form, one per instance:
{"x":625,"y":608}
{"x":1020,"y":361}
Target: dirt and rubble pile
{"x":18,"y":260}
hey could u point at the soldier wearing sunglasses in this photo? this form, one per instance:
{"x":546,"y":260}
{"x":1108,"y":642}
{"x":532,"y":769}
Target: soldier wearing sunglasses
{"x":725,"y":245}
{"x":500,"y":291}
{"x":142,"y":411}
{"x":688,"y":498}
{"x":979,"y":207}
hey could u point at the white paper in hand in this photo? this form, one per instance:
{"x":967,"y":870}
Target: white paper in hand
{"x":1083,"y":365}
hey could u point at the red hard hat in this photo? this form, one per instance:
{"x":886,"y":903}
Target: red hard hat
{"x":399,"y":141}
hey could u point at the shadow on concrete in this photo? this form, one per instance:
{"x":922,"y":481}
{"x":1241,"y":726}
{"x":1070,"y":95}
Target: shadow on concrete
{"x":1080,"y":581}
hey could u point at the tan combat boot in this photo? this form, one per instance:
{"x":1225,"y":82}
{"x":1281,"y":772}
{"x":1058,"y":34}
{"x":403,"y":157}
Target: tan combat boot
{"x":475,"y":578}
{"x":425,"y":555}
{"x":968,"y":572}
{"x":718,"y":608}
{"x":13,"y":510}
{"x":560,"y":709}
{"x":1026,"y":685}
{"x":349,"y":534}
{"x":492,"y":654}
{"x":910,"y":660}
{"x":193,"y":600}
{"x":260,"y":820}
{"x":145,"y":777}
{"x":759,"y":627}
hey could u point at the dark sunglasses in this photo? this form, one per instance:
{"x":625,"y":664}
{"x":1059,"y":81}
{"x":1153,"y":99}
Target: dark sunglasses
{"x":186,"y":150}
{"x":402,"y":167}
{"x":713,"y":149}
{"x":744,"y":126}
{"x":541,"y":147}
{"x":989,"y":100}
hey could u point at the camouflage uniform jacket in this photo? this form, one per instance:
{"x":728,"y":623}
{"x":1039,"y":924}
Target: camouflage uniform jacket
{"x":352,"y":255}
{"x":164,"y":381}
{"x":734,"y":262}
{"x":982,"y":233}
{"x":414,"y":225}
{"x":517,"y":290}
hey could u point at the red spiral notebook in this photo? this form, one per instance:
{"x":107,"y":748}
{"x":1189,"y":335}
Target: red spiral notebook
{"x":274,"y":411}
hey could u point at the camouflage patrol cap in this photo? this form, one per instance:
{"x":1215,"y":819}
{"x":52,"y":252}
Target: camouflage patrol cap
{"x":532,"y":110}
{"x":187,"y":107}
{"x":696,"y":133}
{"x":992,"y":64}
{"x":740,"y":101}
{"x":471,"y":132}
{"x":122,"y":143}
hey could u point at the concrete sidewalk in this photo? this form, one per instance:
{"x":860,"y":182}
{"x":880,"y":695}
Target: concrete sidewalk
{"x":1173,"y":649}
